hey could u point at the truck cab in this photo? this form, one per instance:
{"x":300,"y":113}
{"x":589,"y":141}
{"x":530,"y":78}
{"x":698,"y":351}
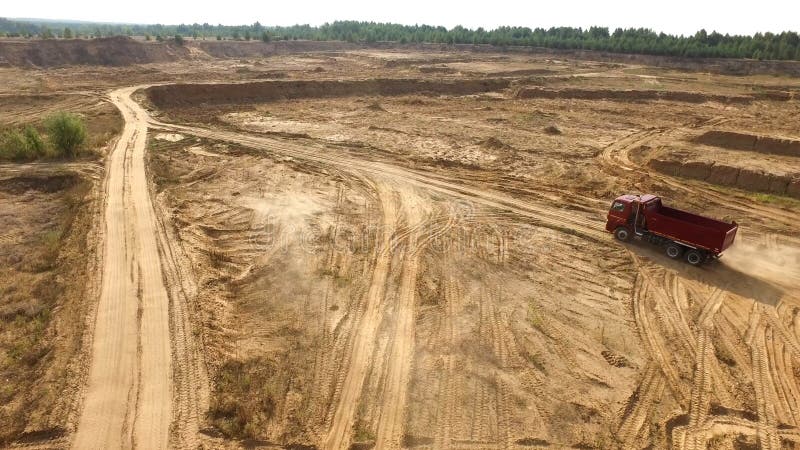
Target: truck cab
{"x":626,"y":212}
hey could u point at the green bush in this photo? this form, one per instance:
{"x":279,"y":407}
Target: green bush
{"x":67,"y":133}
{"x":14,"y":146}
{"x":35,"y":143}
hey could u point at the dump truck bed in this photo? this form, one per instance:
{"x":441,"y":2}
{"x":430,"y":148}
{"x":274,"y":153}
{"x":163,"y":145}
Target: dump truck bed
{"x":691,"y":229}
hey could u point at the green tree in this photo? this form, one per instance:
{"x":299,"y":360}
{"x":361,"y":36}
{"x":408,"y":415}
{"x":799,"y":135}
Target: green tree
{"x":67,"y":133}
{"x":179,"y":39}
{"x":265,"y":36}
{"x":67,"y":33}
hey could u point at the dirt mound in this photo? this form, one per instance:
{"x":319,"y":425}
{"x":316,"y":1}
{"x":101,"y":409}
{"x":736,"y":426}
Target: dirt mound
{"x":187,"y":94}
{"x":552,"y":130}
{"x":749,"y":179}
{"x":629,"y":95}
{"x":749,"y":142}
{"x":376,"y":107}
{"x":493,"y":143}
{"x":113,"y":51}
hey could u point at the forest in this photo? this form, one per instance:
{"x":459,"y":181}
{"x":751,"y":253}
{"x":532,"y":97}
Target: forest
{"x":780,"y":46}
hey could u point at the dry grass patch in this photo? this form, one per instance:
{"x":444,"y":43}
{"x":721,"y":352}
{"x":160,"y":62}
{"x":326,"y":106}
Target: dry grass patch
{"x":44,"y":222}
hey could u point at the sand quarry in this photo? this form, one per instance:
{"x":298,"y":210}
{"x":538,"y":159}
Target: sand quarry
{"x":398,"y":248}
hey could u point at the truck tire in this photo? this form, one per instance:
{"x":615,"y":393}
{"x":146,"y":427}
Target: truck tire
{"x":622,"y":234}
{"x":674,"y":250}
{"x":695,"y":257}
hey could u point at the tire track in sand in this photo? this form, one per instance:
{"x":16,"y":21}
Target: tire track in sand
{"x":364,"y":340}
{"x":539,"y":214}
{"x":128,"y":398}
{"x":401,"y":352}
{"x":638,"y":411}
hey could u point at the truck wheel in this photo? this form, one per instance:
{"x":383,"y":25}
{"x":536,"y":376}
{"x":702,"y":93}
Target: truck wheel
{"x":674,"y":250}
{"x":622,"y":234}
{"x":695,"y":257}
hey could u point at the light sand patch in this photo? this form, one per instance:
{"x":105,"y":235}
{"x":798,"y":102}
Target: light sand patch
{"x":171,"y":137}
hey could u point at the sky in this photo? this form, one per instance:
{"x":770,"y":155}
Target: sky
{"x":671,"y":16}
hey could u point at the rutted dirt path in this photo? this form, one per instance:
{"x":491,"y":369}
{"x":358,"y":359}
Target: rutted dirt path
{"x":128,"y":400}
{"x":364,"y":341}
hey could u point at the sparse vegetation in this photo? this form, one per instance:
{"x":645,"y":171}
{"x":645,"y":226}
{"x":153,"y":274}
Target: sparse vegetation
{"x":776,"y":200}
{"x":362,"y":433}
{"x":245,"y":397}
{"x":39,"y":284}
{"x":534,"y":316}
{"x":66,"y":135}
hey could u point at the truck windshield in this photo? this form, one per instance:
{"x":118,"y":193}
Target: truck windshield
{"x":618,"y":206}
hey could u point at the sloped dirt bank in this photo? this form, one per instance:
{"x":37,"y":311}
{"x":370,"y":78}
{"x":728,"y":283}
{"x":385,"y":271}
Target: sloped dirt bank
{"x":750,"y":142}
{"x":113,"y":51}
{"x":749,"y":179}
{"x":630,"y":95}
{"x":253,"y":49}
{"x":187,"y":94}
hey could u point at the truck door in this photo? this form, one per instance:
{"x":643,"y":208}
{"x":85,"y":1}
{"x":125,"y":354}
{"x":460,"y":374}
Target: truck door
{"x":636,"y":218}
{"x":641,"y":223}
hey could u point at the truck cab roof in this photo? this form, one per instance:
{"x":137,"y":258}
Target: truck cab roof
{"x":627,"y":198}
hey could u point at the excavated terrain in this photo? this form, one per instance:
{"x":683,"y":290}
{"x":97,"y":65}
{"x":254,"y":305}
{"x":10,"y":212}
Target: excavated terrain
{"x":406,"y":249}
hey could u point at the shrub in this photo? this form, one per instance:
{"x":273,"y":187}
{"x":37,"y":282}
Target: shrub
{"x":19,"y":145}
{"x":34,"y":141}
{"x":179,"y":39}
{"x":67,"y":132}
{"x":14,"y":146}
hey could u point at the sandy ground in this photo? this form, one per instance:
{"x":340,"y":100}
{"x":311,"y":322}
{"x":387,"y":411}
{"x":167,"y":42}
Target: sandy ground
{"x":430,"y":270}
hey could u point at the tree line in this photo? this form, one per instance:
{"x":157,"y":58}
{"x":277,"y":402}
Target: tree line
{"x":780,"y":46}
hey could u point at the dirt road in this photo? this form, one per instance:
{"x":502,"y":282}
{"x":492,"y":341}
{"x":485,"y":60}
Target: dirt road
{"x":128,"y":400}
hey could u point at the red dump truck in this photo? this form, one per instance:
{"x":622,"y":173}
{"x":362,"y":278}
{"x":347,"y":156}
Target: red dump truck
{"x":696,"y":239}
